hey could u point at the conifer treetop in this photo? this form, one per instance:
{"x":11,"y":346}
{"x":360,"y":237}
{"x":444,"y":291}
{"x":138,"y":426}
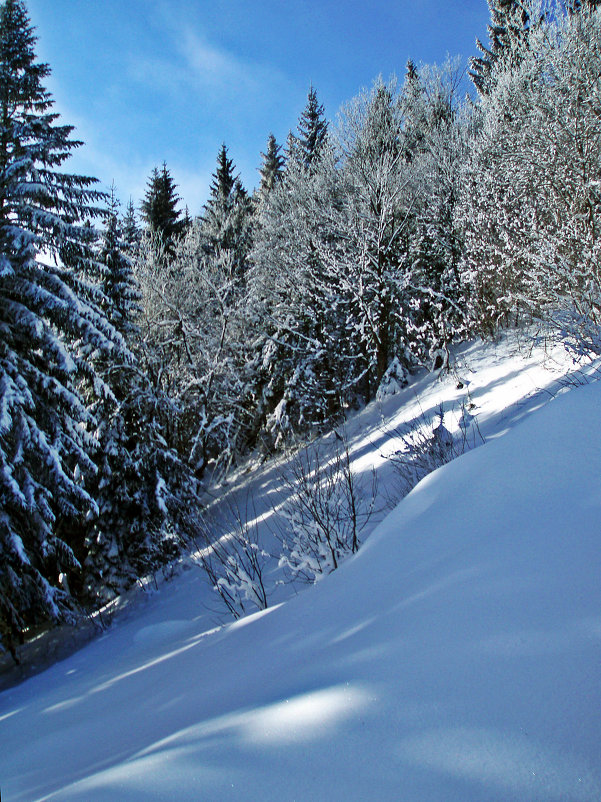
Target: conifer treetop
{"x":32,"y":147}
{"x":508,"y":28}
{"x":272,"y":169}
{"x":159,"y":207}
{"x":312,"y":128}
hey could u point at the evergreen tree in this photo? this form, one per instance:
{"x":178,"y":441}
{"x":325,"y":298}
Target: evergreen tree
{"x":226,"y":219}
{"x":49,"y":324}
{"x":186,"y":220}
{"x":224,"y":178}
{"x":272,"y":169}
{"x":306,"y":147}
{"x":507,"y":33}
{"x":159,"y":208}
{"x":131,"y":231}
{"x":121,"y":293}
{"x":143,"y":490}
{"x":415,"y":122}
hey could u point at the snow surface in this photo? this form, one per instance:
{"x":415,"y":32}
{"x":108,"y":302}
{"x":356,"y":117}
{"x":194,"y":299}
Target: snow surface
{"x":457,"y":656}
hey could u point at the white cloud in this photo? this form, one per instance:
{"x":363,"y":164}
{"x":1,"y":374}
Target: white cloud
{"x":190,"y":61}
{"x":217,"y":69}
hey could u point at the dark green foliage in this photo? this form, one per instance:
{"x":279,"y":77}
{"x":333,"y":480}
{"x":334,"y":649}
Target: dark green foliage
{"x":145,"y":493}
{"x":143,"y":490}
{"x":49,"y":324}
{"x":121,"y":293}
{"x":130,"y":231}
{"x":159,"y":207}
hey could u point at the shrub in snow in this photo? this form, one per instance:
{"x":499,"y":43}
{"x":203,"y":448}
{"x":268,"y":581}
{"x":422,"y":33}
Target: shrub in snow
{"x":327,"y":508}
{"x":426,"y":445}
{"x":233,"y":560}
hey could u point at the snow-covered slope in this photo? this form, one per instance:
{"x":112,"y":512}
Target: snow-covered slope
{"x":457,"y":656}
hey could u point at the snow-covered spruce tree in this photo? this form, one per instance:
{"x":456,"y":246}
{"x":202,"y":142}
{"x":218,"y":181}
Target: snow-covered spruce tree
{"x":272,"y":169}
{"x":306,"y":145}
{"x":159,"y":208}
{"x":121,"y":293}
{"x":508,"y":34}
{"x":145,"y":494}
{"x":302,"y":364}
{"x":49,"y":325}
{"x":227,"y":217}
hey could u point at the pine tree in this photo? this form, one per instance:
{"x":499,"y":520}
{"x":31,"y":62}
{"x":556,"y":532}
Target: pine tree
{"x":49,"y":324}
{"x":159,"y":207}
{"x":306,"y":147}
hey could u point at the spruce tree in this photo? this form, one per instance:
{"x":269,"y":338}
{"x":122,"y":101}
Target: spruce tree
{"x":50,"y":323}
{"x":224,"y":177}
{"x":159,"y":208}
{"x":306,"y":146}
{"x":227,"y":216}
{"x":507,"y":33}
{"x":131,"y":230}
{"x":121,"y":293}
{"x":143,"y":490}
{"x":272,"y":169}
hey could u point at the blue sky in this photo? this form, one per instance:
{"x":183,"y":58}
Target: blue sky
{"x":147,"y":81}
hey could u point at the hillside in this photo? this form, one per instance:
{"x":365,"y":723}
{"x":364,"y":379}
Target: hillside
{"x":457,"y":656}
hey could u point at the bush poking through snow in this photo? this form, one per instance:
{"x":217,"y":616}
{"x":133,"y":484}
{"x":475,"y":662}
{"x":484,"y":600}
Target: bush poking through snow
{"x":233,"y":560}
{"x":426,"y":445}
{"x":328,"y":507}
